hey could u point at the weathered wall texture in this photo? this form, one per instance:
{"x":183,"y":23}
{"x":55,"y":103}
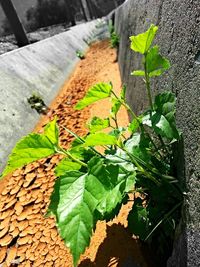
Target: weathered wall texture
{"x":39,"y":68}
{"x":179,"y":39}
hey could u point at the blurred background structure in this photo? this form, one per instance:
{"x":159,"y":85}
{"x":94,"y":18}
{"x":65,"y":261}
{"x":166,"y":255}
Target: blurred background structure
{"x":35,"y":14}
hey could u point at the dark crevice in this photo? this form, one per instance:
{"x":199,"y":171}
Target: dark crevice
{"x":197,"y":57}
{"x":160,"y":12}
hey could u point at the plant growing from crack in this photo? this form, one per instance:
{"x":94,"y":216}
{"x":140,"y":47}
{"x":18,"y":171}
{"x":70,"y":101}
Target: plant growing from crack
{"x":114,"y":37}
{"x":93,"y":185}
{"x":80,"y":54}
{"x":36,"y":102}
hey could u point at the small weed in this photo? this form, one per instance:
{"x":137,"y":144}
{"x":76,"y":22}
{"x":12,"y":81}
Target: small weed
{"x":80,"y":54}
{"x":114,"y":37}
{"x":38,"y":104}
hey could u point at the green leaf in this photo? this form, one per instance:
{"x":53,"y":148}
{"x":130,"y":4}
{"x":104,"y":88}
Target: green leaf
{"x":66,"y":165}
{"x":51,"y":131}
{"x":138,"y":222}
{"x":98,"y":139}
{"x":77,"y":203}
{"x":79,"y":195}
{"x":117,"y":182}
{"x":121,"y":159}
{"x":95,"y":93}
{"x":142,"y":42}
{"x":115,"y":39}
{"x":117,"y":132}
{"x":165,"y":102}
{"x":97,"y":124}
{"x":123,"y":93}
{"x":165,"y":105}
{"x":135,"y":124}
{"x":162,"y":126}
{"x":111,"y":199}
{"x":78,"y":151}
{"x":138,"y":145}
{"x":155,"y":63}
{"x":116,"y":193}
{"x":30,"y":148}
{"x":138,"y":73}
{"x":116,"y":105}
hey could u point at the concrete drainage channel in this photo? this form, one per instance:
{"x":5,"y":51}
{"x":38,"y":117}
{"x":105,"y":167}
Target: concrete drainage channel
{"x":39,"y":68}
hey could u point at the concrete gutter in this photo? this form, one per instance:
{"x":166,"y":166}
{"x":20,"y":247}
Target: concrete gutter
{"x":39,"y":68}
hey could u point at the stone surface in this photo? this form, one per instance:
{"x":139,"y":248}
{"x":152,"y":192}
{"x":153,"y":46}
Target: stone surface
{"x":39,"y":68}
{"x":179,"y":40}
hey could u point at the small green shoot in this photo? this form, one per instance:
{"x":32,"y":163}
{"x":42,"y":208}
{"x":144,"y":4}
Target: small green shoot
{"x":38,"y":104}
{"x":80,"y":54}
{"x":114,"y":37}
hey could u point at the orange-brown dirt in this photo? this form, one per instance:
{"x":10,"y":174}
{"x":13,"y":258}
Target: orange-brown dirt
{"x":27,"y":238}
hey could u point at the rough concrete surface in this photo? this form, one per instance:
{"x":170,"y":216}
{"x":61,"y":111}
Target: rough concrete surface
{"x":179,"y":40}
{"x":39,"y":68}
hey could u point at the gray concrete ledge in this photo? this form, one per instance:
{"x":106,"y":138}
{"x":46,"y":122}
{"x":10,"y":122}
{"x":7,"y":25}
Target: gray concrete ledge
{"x":39,"y":68}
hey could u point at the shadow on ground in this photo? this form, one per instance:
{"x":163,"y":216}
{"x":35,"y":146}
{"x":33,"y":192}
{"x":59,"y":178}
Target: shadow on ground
{"x":118,"y":249}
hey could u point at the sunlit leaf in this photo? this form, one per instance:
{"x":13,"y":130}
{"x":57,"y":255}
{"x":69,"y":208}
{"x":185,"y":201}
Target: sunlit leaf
{"x":77,"y":201}
{"x":100,"y":139}
{"x":95,"y":93}
{"x":66,"y":165}
{"x":97,"y":124}
{"x":155,"y":63}
{"x":51,"y":131}
{"x":135,"y":124}
{"x":142,"y":42}
{"x":123,"y":93}
{"x":118,"y":131}
{"x":29,"y":149}
{"x":138,"y":73}
{"x":161,"y":125}
{"x":120,"y":158}
{"x":116,"y":104}
{"x":138,"y":146}
{"x":79,"y":195}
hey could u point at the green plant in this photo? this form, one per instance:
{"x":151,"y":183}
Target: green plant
{"x":36,"y":102}
{"x":93,"y":186}
{"x":80,"y":54}
{"x":114,"y":37}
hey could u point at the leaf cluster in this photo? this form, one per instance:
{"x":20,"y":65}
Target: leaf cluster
{"x":93,"y":185}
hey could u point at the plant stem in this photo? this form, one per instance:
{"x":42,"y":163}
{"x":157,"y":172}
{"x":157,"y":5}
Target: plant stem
{"x":64,"y":152}
{"x":73,"y":134}
{"x":116,"y":123}
{"x":128,"y":108}
{"x":140,"y":168}
{"x":131,"y":112}
{"x":163,"y":143}
{"x":120,"y":134}
{"x":147,"y":80}
{"x":82,"y":140}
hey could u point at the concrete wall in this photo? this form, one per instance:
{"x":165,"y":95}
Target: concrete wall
{"x":179,"y":39}
{"x":38,"y":68}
